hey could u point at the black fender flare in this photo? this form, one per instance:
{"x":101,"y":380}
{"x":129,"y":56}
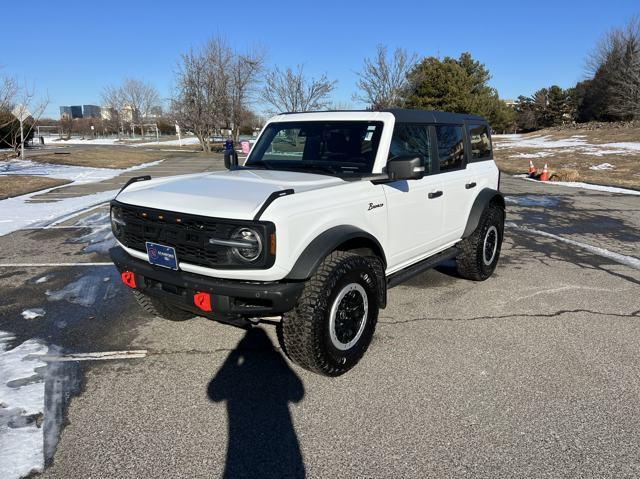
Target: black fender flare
{"x":484,"y":198}
{"x":310,"y":259}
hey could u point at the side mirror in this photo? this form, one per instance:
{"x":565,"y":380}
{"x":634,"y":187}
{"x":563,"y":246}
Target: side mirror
{"x":230,"y":160}
{"x":405,"y":168}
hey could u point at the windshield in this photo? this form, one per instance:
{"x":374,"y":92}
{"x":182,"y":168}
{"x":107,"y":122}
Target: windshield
{"x":341,"y":148}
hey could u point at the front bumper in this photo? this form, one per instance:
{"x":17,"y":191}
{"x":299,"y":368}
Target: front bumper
{"x":231,"y":300}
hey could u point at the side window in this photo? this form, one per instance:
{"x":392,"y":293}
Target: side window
{"x":450,"y":146}
{"x":480,"y":141}
{"x":412,"y":140}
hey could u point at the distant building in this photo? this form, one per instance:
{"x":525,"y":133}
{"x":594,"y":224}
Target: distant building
{"x":76,"y":111}
{"x":510,"y":103}
{"x":91,"y":111}
{"x":129,"y":113}
{"x":65,"y":112}
{"x":108,"y":113}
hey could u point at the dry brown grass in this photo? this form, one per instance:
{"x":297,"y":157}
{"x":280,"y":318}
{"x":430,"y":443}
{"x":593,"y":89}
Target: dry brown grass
{"x":571,"y":164}
{"x":116,"y":157}
{"x":16,"y":185}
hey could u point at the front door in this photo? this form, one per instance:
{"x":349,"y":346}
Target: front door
{"x":414,"y":207}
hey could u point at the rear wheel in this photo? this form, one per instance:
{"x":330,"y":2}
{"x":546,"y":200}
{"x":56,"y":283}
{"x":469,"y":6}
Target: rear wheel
{"x":333,"y":323}
{"x":161,"y":309}
{"x":480,"y":251}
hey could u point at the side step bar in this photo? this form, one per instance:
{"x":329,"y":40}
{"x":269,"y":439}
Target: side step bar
{"x":415,"y":269}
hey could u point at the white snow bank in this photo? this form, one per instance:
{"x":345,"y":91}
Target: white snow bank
{"x":16,"y":213}
{"x":189,"y":140}
{"x":82,"y":141}
{"x":602,"y":166}
{"x":586,"y":186}
{"x":22,"y":397}
{"x":33,"y":313}
{"x":77,"y":174}
{"x":575,"y":143}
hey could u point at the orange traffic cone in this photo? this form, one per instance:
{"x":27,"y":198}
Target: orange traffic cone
{"x":532,"y":168}
{"x":545,"y":173}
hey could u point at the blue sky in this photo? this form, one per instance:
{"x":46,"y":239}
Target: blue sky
{"x":73,"y":49}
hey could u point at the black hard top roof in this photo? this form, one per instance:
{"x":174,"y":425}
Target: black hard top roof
{"x":404,"y":115}
{"x":431,"y":116}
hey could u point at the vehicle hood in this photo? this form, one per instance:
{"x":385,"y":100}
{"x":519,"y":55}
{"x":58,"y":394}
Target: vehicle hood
{"x":227,"y":194}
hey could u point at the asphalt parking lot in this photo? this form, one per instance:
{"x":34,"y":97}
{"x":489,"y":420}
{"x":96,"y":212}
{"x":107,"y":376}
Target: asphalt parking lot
{"x":532,"y":373}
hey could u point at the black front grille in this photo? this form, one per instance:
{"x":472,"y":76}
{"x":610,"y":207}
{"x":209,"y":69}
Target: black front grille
{"x":188,"y":234}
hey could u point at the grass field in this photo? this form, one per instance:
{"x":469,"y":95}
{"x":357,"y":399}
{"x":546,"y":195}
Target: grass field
{"x":17,"y":185}
{"x":606,"y":157}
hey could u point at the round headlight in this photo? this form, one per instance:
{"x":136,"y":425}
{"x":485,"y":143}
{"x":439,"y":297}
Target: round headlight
{"x":253,"y":242}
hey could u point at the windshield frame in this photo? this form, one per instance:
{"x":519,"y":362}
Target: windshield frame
{"x":347,"y":170}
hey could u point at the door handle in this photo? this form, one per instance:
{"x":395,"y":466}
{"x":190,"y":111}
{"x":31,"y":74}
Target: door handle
{"x":470,"y":185}
{"x":435,"y":194}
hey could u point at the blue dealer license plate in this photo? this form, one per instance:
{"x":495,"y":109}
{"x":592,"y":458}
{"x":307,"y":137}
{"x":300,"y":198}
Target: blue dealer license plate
{"x":160,"y":255}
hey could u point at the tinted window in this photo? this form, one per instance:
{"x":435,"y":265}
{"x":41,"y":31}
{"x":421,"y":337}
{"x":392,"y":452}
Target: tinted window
{"x":450,"y":146}
{"x":411,"y":140}
{"x":342,"y":148}
{"x":480,"y":141}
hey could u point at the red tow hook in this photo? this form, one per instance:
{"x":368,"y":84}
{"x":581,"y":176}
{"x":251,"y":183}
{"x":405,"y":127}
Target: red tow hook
{"x":129,"y":278}
{"x":203,"y":301}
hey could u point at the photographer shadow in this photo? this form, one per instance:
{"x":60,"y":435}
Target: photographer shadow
{"x":257,"y":384}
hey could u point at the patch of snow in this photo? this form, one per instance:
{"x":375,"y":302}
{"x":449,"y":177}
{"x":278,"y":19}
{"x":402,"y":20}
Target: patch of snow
{"x":17,"y":213}
{"x":617,"y":257}
{"x":77,"y":174}
{"x":22,"y":394}
{"x":532,"y":200}
{"x":100,"y":238}
{"x":189,"y":140}
{"x":83,"y":141}
{"x":539,"y":154}
{"x":83,"y":291}
{"x":586,"y":186}
{"x":625,"y":145}
{"x":42,"y":279}
{"x":602,"y":166}
{"x":33,"y":313}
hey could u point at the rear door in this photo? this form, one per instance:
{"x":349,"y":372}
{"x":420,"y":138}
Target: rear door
{"x":414,"y":207}
{"x":459,"y":187}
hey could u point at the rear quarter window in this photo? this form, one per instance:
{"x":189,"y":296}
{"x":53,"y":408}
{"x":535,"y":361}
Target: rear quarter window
{"x":480,"y":142}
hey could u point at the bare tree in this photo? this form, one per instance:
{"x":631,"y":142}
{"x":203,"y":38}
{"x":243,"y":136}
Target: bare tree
{"x":13,"y":94}
{"x":383,"y":79}
{"x":134,"y":100}
{"x":291,"y":90}
{"x":201,"y":102}
{"x":244,"y":72}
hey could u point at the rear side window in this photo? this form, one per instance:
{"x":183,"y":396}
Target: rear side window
{"x":412,"y":140}
{"x":480,"y":141}
{"x":450,"y":146}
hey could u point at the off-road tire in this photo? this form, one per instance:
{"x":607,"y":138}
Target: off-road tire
{"x":471,"y":260}
{"x":304,"y":331}
{"x":157,"y":307}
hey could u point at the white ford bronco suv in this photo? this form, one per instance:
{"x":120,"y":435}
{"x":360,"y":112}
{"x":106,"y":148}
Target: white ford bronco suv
{"x":329,"y":211}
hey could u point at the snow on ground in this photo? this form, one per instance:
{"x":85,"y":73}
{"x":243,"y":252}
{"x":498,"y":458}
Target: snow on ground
{"x":33,"y":313}
{"x":575,"y":143}
{"x":602,"y":166}
{"x":77,"y":174}
{"x":83,"y":291}
{"x":189,"y":140}
{"x":82,"y":141}
{"x":22,"y":398}
{"x":100,"y":239}
{"x":586,"y":186}
{"x":17,"y":213}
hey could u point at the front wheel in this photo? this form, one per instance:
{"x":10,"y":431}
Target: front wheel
{"x":333,"y":323}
